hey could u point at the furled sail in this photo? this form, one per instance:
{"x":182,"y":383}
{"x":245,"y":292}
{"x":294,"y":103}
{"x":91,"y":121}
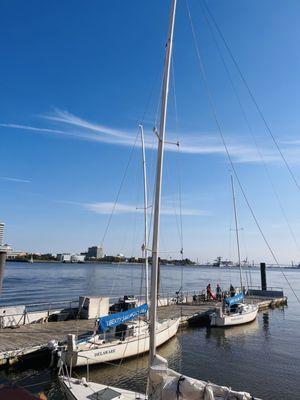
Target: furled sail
{"x":166,"y":384}
{"x":112,"y":320}
{"x":238,"y":298}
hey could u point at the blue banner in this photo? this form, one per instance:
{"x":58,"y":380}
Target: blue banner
{"x":238,"y":298}
{"x":112,"y":320}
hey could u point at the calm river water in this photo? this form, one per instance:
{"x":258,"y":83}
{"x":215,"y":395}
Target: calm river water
{"x":262,"y":358}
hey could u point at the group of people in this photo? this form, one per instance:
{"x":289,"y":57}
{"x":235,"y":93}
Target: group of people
{"x":219,"y":294}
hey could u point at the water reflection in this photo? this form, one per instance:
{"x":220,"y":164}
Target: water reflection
{"x":266,"y":329}
{"x":132,"y":373}
{"x":262,"y":354}
{"x":226,"y":337}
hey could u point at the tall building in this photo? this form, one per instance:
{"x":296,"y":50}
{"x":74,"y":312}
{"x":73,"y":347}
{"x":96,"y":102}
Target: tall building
{"x":95,"y":252}
{"x":1,"y":233}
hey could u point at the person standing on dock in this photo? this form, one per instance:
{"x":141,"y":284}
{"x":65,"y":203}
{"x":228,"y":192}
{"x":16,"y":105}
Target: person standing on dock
{"x":232,"y":290}
{"x":219,"y":292}
{"x":210,"y":295}
{"x":208,"y":291}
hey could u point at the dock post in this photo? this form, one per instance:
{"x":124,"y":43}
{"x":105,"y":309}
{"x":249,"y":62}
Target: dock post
{"x":2,"y":266}
{"x":263,"y":276}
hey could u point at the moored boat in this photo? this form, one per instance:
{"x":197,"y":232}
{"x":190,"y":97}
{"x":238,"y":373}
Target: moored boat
{"x":234,"y":313}
{"x":127,"y":340}
{"x":81,"y":389}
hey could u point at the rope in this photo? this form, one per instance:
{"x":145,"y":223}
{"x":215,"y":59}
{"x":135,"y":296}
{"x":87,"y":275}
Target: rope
{"x":131,"y":153}
{"x":180,"y":379}
{"x":178,"y":162}
{"x":178,"y":168}
{"x":213,"y":108}
{"x":253,"y":98}
{"x":119,"y":190}
{"x":251,"y":131}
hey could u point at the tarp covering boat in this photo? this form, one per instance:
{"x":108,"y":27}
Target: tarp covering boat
{"x":112,"y":320}
{"x":238,"y":298}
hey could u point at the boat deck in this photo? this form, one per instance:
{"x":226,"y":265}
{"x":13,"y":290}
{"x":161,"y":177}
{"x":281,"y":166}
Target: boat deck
{"x":27,"y":339}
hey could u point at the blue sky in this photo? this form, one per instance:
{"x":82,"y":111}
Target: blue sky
{"x":76,"y":79}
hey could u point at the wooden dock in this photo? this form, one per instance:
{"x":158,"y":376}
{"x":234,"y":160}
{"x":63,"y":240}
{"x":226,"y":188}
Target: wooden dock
{"x":15,"y":343}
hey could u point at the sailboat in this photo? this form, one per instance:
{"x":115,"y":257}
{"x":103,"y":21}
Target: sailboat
{"x":234,"y":311}
{"x":129,"y":338}
{"x":124,"y":334}
{"x":163,"y":383}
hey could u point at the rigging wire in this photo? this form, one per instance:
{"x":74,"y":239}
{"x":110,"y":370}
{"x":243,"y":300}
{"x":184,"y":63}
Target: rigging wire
{"x":246,"y":261}
{"x":115,"y":204}
{"x":179,"y":170}
{"x":119,"y":190}
{"x":152,"y":165}
{"x":219,"y":128}
{"x":230,"y":241}
{"x":178,"y":160}
{"x":267,"y":126}
{"x":158,"y":74}
{"x":141,"y":121}
{"x":136,"y":231}
{"x":250,"y":130}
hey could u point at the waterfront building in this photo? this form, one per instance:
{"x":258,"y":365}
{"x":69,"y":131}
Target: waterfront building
{"x":70,"y":258}
{"x":64,"y":257}
{"x":77,"y":258}
{"x":13,"y":255}
{"x":1,"y":233}
{"x":120,"y":257}
{"x":95,"y":252}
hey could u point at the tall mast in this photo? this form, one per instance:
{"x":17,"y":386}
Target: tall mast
{"x":236,"y":231}
{"x":145,"y":244}
{"x":159,"y":169}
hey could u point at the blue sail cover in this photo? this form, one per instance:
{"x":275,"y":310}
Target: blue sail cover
{"x":112,"y":320}
{"x":235,"y":299}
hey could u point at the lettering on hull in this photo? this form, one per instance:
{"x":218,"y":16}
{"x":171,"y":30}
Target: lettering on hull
{"x":103,"y":353}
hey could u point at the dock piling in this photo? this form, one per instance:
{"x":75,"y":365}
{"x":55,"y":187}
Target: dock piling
{"x":263,"y":276}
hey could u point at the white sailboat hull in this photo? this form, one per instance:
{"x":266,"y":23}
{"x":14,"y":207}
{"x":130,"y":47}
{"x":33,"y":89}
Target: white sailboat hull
{"x":248,"y":315}
{"x":118,"y":349}
{"x":75,"y":389}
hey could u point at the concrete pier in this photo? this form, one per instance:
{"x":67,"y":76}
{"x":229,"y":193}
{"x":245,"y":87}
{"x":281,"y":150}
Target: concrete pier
{"x":29,"y":340}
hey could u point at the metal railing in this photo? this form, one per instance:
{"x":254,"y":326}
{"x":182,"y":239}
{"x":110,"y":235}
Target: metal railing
{"x":269,"y":288}
{"x":62,"y":309}
{"x":69,"y":308}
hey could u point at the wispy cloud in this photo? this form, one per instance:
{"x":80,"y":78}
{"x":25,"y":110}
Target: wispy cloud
{"x":106,"y":208}
{"x":11,"y":179}
{"x":31,"y":128}
{"x":68,"y":124}
{"x":120,"y":208}
{"x":67,"y":118}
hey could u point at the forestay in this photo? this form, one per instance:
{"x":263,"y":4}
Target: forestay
{"x":110,"y":321}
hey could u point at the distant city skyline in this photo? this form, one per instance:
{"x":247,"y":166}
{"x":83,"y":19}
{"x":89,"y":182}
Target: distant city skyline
{"x":76,"y":86}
